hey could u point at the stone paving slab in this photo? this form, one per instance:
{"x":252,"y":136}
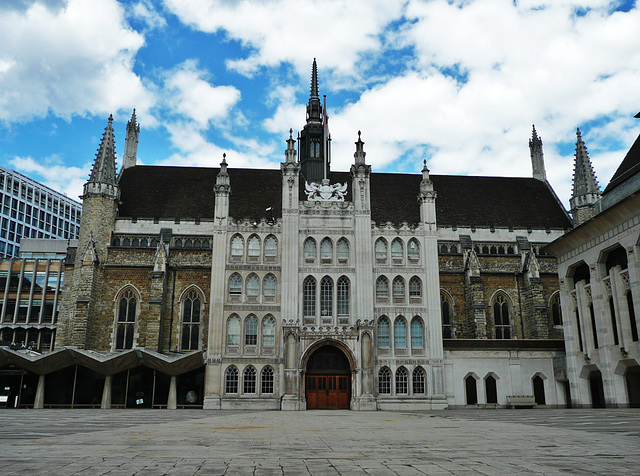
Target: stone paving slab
{"x":467,"y":442}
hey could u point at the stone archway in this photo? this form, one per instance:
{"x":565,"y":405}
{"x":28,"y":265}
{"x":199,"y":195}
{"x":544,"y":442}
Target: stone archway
{"x":328,"y":378}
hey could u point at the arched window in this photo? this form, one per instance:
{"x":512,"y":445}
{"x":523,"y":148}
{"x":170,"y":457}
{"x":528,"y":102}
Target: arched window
{"x":233,"y":330}
{"x":400,"y":333}
{"x":126,"y":322}
{"x":381,"y":250}
{"x":614,"y":322}
{"x":402,"y":381}
{"x":253,"y":246}
{"x":343,"y":296}
{"x":447,"y":321}
{"x":501,"y":317}
{"x":253,"y":285}
{"x":326,"y":296}
{"x":251,"y":330}
{"x":453,"y":249}
{"x":417,"y":331}
{"x":491,"y":389}
{"x":632,"y":316}
{"x":382,"y":289}
{"x":266,"y":380}
{"x":249,"y":380}
{"x":190,"y":322}
{"x":269,"y":285}
{"x":270,"y":247}
{"x":397,"y":250}
{"x":237,"y":246}
{"x":556,"y":310}
{"x":384,"y":381}
{"x":326,"y":250}
{"x":415,"y":287}
{"x":419,"y":387}
{"x":398,"y":289}
{"x":310,"y":250}
{"x":309,"y":297}
{"x":231,"y":380}
{"x":383,"y":332}
{"x":342,"y":250}
{"x":413,"y":250}
{"x":268,"y":331}
{"x":235,"y":284}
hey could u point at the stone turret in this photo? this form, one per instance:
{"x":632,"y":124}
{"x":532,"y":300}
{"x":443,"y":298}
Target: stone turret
{"x":427,"y":198}
{"x":100,"y":199}
{"x":537,"y":156}
{"x":222,"y":189}
{"x":586,"y":192}
{"x":131,"y":142}
{"x":99,"y":210}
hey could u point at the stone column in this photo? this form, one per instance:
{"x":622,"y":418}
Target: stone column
{"x":106,"y":392}
{"x":172,"y":402}
{"x":39,"y":400}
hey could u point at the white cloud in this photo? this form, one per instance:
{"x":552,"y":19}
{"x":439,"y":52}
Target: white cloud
{"x":189,"y":94}
{"x":75,"y":59}
{"x":147,"y":13}
{"x":54,"y":174}
{"x":293,"y":31}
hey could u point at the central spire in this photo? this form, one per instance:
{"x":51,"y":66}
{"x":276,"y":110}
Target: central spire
{"x":314,"y":142}
{"x":314,"y":108}
{"x":314,"y":80}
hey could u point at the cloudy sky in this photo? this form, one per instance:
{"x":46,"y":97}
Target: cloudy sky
{"x":456,"y":82}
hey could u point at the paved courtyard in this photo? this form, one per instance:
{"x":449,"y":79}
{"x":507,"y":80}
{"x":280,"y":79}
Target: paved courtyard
{"x":471,"y":442}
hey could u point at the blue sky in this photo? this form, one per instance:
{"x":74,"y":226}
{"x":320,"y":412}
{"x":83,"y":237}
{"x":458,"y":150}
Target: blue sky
{"x":458,"y":83}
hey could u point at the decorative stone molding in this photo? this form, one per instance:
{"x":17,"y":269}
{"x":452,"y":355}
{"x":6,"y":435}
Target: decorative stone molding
{"x":624,"y":275}
{"x":607,"y":285}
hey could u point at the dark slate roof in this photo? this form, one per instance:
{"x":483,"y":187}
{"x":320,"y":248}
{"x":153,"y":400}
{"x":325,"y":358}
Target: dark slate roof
{"x":187,"y":192}
{"x":630,"y":166}
{"x":469,"y":200}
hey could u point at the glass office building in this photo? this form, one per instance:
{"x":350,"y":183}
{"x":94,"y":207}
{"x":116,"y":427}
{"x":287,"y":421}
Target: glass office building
{"x":32,"y":210}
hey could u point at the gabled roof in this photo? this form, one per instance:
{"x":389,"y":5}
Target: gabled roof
{"x":187,"y":192}
{"x":630,"y":166}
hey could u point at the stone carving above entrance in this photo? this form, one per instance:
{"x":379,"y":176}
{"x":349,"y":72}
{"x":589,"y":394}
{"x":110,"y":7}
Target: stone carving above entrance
{"x":325,"y":192}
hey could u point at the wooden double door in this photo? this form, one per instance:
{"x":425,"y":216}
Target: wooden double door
{"x":328,"y":379}
{"x":327,"y":392}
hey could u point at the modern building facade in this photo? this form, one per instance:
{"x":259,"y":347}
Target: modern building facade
{"x":306,"y":288}
{"x":599,"y":269}
{"x":32,"y":210}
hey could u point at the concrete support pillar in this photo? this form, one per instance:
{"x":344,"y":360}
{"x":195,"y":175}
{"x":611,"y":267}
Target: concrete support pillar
{"x":39,"y":400}
{"x":106,"y":392}
{"x":172,"y":402}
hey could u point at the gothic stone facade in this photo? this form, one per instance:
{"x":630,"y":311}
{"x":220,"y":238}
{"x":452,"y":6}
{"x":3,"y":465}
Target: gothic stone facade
{"x":360,"y":290}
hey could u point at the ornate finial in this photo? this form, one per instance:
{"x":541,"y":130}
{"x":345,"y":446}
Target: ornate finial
{"x":359,"y":135}
{"x":224,"y":158}
{"x":578,"y":133}
{"x":290,"y":133}
{"x":110,"y":118}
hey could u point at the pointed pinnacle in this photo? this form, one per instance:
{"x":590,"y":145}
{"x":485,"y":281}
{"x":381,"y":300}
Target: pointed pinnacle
{"x":314,"y":80}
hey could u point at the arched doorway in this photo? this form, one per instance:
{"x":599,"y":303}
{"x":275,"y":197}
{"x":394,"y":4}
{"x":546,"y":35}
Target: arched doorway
{"x":328,"y":379}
